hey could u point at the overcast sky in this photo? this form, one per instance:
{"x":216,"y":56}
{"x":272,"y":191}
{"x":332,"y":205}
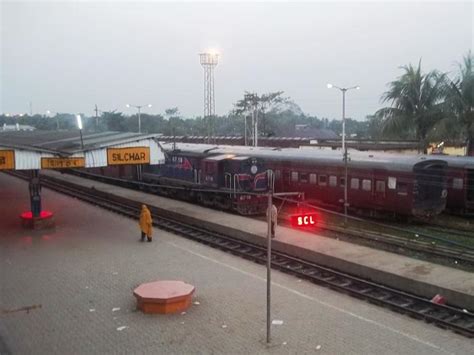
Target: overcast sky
{"x":68,"y":56}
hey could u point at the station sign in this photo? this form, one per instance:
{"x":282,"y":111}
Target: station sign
{"x":303,"y":220}
{"x":62,"y":163}
{"x":7,"y":159}
{"x":126,"y":156}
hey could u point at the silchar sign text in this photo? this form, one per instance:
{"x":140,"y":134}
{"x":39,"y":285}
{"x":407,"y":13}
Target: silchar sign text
{"x":62,"y":163}
{"x":134,"y":155}
{"x":7,"y":159}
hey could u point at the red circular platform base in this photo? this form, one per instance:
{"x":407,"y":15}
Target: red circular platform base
{"x":45,"y":220}
{"x":164,"y":296}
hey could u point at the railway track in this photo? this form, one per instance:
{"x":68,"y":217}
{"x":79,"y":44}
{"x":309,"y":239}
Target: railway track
{"x":458,"y":320}
{"x":429,"y":249}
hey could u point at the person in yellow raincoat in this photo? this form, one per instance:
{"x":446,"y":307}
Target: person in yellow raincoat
{"x":146,"y":224}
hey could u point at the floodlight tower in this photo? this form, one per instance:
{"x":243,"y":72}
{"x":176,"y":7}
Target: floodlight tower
{"x":209,"y":61}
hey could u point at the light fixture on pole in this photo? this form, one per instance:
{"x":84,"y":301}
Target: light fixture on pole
{"x":344,"y":148}
{"x":139,"y":108}
{"x":48,"y":112}
{"x":209,"y":61}
{"x":79,"y":125}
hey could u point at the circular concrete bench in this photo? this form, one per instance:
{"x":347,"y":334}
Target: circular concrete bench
{"x":164,"y":297}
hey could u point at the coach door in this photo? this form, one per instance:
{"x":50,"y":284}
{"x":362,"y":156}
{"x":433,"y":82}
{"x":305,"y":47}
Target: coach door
{"x":286,"y":176}
{"x":380,"y":188}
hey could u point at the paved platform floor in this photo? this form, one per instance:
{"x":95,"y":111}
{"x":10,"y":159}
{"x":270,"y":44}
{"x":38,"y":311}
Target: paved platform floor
{"x":420,"y":277}
{"x":83,"y":274}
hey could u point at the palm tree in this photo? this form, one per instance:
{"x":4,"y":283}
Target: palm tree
{"x":415,"y":103}
{"x":459,"y":98}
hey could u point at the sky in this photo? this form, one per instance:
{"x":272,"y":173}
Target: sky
{"x":67,"y":56}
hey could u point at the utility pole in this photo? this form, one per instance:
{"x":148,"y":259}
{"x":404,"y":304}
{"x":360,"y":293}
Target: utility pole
{"x":255,"y":126}
{"x":96,"y":117}
{"x":139,"y":108}
{"x":209,"y":61}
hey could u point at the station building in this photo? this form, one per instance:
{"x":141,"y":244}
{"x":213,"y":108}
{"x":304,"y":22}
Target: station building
{"x":33,"y":151}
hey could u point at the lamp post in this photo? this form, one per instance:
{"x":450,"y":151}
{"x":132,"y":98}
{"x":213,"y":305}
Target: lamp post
{"x":48,"y":112}
{"x":344,"y":148}
{"x":79,"y":125}
{"x":139,"y":108}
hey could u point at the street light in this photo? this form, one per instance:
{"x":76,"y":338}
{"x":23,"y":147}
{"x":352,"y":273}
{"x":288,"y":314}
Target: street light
{"x":79,"y":125}
{"x":344,"y":149}
{"x":139,"y":108}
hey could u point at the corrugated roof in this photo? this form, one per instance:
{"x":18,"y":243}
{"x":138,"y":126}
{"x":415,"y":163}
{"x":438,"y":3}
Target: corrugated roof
{"x":66,"y":142}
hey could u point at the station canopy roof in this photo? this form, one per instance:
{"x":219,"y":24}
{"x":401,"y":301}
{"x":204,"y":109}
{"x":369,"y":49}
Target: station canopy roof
{"x":64,"y":149}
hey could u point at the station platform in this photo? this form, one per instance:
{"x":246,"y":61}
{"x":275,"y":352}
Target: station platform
{"x":77,"y":282}
{"x":415,"y":276}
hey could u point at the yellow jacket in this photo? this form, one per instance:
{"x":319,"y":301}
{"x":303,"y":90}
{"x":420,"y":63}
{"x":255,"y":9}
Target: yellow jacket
{"x":146,"y":222}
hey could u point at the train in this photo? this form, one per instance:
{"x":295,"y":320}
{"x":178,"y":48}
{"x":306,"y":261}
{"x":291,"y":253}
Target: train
{"x":230,"y":182}
{"x":377,"y":184}
{"x":236,"y":178}
{"x":227,"y":181}
{"x":460,"y":184}
{"x":460,"y":171}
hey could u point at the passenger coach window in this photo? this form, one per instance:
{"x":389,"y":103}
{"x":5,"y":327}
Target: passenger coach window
{"x":277,"y":174}
{"x":355,"y":183}
{"x":342,"y":182}
{"x":294,"y":176}
{"x":303,"y":177}
{"x":457,"y":184}
{"x":333,"y":180}
{"x":380,"y":186}
{"x":367,"y":185}
{"x":322,"y":180}
{"x":312,"y":178}
{"x":402,"y":188}
{"x":392,"y":183}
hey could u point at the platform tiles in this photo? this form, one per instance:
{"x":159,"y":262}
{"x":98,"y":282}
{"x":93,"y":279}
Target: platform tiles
{"x":80,"y":279}
{"x":416,"y":276}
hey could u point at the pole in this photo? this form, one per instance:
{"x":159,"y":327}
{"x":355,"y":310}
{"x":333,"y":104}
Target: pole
{"x":96,"y":117}
{"x":139,"y":120}
{"x":269,"y":264}
{"x":256,"y":126}
{"x":344,"y":152}
{"x":245,"y":129}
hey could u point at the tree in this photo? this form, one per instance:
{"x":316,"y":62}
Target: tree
{"x":116,"y":121}
{"x":173,"y":116}
{"x":415,"y":103}
{"x":258,"y":104}
{"x":459,"y":99}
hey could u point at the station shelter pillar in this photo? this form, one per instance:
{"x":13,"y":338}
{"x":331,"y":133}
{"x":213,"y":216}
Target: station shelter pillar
{"x":35,"y":193}
{"x":36,"y":218}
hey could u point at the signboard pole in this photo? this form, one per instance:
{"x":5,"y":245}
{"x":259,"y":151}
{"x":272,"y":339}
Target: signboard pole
{"x":269,"y":264}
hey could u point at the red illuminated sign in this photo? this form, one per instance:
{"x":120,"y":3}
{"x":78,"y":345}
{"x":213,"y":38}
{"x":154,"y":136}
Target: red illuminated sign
{"x":303,"y":220}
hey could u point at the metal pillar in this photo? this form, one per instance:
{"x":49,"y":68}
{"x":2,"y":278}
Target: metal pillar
{"x":344,"y":152}
{"x":209,"y":62}
{"x":35,"y":193}
{"x":269,"y":264}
